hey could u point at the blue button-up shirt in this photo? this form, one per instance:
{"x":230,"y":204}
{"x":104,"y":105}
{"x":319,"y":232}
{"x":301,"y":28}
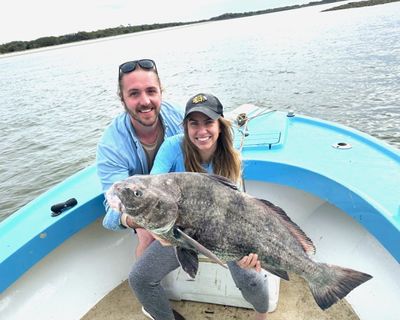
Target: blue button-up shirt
{"x":170,"y":157}
{"x":120,"y":153}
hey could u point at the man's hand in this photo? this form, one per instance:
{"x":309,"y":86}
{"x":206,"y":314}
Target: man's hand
{"x":145,"y":239}
{"x":130,"y":223}
{"x":249,"y":262}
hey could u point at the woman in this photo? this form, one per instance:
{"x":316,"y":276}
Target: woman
{"x":207,"y":143}
{"x":206,"y":146}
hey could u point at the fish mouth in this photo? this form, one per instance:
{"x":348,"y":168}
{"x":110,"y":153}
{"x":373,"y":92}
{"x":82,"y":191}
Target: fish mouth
{"x":114,"y":201}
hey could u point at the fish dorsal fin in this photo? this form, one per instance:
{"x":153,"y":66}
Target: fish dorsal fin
{"x":223,"y":180}
{"x":293,"y":228}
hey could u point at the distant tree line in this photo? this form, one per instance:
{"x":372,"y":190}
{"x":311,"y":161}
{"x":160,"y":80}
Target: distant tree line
{"x":15,"y":46}
{"x":359,"y":4}
{"x":253,"y":13}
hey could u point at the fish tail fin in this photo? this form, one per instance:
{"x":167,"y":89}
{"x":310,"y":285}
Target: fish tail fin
{"x":339,"y":282}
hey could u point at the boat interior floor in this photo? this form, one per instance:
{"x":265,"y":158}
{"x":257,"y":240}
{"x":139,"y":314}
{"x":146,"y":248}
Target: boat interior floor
{"x":295,"y":302}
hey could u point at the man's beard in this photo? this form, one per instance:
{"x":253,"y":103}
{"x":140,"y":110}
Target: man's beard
{"x":137,"y":118}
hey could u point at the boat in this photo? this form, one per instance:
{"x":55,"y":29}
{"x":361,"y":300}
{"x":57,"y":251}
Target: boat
{"x":341,"y":186}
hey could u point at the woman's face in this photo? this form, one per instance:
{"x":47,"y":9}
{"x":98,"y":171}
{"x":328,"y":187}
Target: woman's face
{"x":203,"y":133}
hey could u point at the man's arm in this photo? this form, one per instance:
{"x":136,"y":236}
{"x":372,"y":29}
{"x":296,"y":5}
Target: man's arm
{"x":110,"y":169}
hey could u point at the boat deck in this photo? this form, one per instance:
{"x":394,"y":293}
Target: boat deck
{"x":296,"y":303}
{"x":345,"y":200}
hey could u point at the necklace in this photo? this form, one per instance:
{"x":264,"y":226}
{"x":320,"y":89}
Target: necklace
{"x":159,"y":130}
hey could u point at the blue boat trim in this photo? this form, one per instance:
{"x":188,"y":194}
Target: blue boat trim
{"x":31,"y":233}
{"x":375,"y":219}
{"x":363,"y":181}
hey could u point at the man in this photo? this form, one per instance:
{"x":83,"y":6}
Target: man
{"x":129,"y":144}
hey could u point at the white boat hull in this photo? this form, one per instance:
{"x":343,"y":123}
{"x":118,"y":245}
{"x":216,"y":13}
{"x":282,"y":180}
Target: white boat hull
{"x":342,"y":241}
{"x":69,"y":281}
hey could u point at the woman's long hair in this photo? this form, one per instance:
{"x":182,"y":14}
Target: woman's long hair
{"x":226,"y":159}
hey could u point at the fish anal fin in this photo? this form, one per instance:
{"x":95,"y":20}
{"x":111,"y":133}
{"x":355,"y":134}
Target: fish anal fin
{"x":304,"y":241}
{"x":189,"y":261}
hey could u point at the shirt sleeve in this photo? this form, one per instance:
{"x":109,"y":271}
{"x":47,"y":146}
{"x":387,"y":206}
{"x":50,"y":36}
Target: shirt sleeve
{"x":110,"y":166}
{"x":110,"y":170}
{"x":112,"y":219}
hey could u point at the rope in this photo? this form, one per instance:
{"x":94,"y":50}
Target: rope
{"x":242,"y":121}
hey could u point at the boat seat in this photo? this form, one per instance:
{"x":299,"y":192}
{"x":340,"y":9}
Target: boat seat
{"x":214,"y":284}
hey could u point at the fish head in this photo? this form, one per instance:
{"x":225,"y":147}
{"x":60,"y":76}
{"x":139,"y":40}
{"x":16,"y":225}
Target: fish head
{"x":152,"y":204}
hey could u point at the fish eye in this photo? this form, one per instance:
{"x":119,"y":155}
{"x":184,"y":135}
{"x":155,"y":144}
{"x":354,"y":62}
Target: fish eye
{"x":138,"y":193}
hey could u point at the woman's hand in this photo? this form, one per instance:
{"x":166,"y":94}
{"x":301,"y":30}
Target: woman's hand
{"x":249,"y":262}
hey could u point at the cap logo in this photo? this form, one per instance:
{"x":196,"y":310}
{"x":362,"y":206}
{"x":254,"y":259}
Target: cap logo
{"x":199,"y":99}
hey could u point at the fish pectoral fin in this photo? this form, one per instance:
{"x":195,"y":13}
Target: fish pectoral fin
{"x":278,"y":272}
{"x":189,"y":260}
{"x":179,"y":234}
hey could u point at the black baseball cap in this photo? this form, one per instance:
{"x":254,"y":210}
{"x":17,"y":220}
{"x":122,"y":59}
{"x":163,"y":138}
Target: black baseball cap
{"x":206,"y":104}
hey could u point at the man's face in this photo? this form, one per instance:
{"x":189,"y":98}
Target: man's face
{"x":141,"y":96}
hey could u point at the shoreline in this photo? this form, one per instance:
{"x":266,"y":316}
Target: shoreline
{"x":13,"y":48}
{"x":360,"y":4}
{"x":90,"y":41}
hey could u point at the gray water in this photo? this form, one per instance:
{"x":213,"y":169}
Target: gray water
{"x":341,"y":66}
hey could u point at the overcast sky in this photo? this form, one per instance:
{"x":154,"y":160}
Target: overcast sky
{"x":31,"y":19}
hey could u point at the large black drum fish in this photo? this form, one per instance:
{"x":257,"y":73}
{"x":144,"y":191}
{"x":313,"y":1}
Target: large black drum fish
{"x":204,"y":213}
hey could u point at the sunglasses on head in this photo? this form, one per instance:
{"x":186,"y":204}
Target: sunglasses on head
{"x":130,"y":66}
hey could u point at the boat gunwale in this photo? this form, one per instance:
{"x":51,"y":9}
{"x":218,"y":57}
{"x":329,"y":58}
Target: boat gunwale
{"x":51,"y":232}
{"x":25,"y":244}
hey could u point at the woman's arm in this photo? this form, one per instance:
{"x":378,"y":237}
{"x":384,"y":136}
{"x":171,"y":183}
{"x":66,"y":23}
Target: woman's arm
{"x":169,"y":157}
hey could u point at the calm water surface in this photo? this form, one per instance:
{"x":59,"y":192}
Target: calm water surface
{"x":340,"y":66}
